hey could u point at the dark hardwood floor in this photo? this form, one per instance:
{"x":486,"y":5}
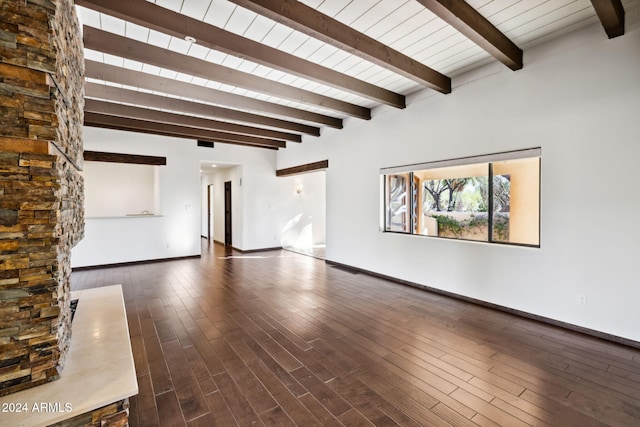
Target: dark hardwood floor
{"x":278,"y":339}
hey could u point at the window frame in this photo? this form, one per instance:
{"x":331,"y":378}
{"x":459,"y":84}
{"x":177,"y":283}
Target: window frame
{"x":489,"y":159}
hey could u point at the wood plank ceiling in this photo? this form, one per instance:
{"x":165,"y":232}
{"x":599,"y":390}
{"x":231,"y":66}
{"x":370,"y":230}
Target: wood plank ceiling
{"x":263,"y":73}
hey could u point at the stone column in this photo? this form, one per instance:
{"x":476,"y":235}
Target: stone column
{"x":41,"y":189}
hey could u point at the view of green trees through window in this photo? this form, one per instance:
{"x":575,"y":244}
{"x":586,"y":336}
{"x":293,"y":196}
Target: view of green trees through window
{"x":457,"y":194}
{"x":490,"y":201}
{"x":468,"y":197}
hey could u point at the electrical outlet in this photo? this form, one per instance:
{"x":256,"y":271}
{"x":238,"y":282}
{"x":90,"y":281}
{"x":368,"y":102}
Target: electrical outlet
{"x":581,"y":300}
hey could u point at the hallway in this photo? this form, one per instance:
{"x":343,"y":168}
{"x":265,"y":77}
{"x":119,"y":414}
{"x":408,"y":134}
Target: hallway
{"x":278,"y":338}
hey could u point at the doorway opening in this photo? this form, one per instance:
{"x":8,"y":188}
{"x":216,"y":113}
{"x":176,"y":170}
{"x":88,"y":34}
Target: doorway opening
{"x":216,"y":201}
{"x":305,"y":231}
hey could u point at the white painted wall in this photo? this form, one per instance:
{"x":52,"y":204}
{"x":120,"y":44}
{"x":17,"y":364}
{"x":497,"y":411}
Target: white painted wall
{"x":307,"y":225}
{"x":177,"y":232}
{"x":579,"y":99}
{"x":204,"y":182}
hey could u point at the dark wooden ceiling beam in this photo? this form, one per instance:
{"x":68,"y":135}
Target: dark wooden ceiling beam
{"x":113,"y":44}
{"x":111,"y":73}
{"x":155,"y":128}
{"x":169,"y":22}
{"x":121,"y":110}
{"x":305,"y":19}
{"x":464,"y":18}
{"x":112,"y":93}
{"x":611,"y":15}
{"x":134,"y":159}
{"x":306,"y":168}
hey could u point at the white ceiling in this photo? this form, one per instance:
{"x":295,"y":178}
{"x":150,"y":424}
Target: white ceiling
{"x":403,"y":25}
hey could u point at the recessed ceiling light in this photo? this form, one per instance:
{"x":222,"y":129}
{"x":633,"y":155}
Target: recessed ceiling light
{"x":190,"y":39}
{"x":214,"y":166}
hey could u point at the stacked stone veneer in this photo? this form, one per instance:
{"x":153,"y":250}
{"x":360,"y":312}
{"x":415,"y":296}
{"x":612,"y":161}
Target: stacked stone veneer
{"x":113,"y":415}
{"x":41,"y":190}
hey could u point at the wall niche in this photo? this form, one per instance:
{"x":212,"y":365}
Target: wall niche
{"x":120,"y":185}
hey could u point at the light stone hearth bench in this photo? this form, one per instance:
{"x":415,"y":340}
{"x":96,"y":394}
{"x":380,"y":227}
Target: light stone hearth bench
{"x":99,"y":374}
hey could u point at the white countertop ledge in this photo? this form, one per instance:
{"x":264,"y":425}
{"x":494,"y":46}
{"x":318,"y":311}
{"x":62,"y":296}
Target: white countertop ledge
{"x":125,"y":216}
{"x":99,"y":369}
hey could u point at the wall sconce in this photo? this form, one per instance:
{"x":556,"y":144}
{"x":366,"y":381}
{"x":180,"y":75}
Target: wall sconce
{"x":299,"y":189}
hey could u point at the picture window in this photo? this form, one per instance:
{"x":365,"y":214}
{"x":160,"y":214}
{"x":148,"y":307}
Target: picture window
{"x":493,"y":198}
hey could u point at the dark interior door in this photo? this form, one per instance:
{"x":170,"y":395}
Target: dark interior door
{"x":227,"y":213}
{"x":209,"y":213}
